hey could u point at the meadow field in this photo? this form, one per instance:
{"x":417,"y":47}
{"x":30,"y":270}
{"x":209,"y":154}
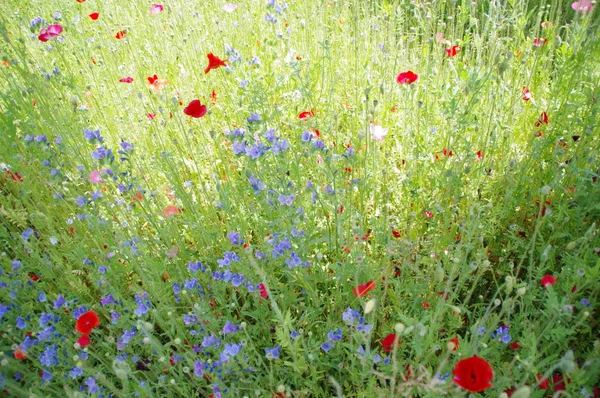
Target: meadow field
{"x":301,"y":198}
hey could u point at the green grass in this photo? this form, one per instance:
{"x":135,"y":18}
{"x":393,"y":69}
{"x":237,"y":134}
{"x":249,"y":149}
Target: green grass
{"x":454,"y":243}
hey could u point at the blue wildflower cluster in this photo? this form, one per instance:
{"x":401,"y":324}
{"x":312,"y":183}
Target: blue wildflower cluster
{"x":242,"y":146}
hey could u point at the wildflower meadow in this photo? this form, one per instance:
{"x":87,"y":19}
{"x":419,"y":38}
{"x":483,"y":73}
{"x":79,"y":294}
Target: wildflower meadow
{"x":299,"y":198}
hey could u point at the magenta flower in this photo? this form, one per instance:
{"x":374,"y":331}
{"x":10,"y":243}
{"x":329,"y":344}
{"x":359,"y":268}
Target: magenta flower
{"x":50,"y":32}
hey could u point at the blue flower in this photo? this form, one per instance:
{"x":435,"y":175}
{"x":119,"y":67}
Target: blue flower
{"x":197,"y":266}
{"x":27,"y":234}
{"x":335,"y":335}
{"x":49,"y":357}
{"x":585,"y":302}
{"x":326,"y":346}
{"x":20,"y":323}
{"x":230,"y":351}
{"x":350,"y":315}
{"x":75,"y":372}
{"x":272,"y":353}
{"x":256,"y":184}
{"x":294,"y":335}
{"x":59,"y":302}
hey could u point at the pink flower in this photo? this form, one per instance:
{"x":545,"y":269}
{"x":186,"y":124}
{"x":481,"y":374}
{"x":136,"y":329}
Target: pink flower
{"x":95,"y":177}
{"x":582,"y":6}
{"x":539,"y":42}
{"x":172,"y":252}
{"x":170,"y":211}
{"x":377,"y":132}
{"x":229,"y":7}
{"x":50,"y":32}
{"x":126,"y":80}
{"x":156,"y":9}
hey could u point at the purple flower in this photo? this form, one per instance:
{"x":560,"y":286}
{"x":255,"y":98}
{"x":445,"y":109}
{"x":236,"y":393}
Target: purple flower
{"x":306,"y":136}
{"x":254,"y":117}
{"x":270,"y":135}
{"x":230,"y":328}
{"x":234,"y":237}
{"x":210,"y":341}
{"x":318,"y":144}
{"x":286,"y":200}
{"x":92,"y":135}
{"x":198,"y":369}
{"x":90,"y":382}
{"x":59,"y":302}
{"x":126,"y":146}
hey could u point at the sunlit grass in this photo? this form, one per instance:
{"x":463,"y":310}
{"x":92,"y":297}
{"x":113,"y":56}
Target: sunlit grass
{"x":436,"y":208}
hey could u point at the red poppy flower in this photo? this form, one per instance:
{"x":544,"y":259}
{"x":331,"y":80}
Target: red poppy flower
{"x":80,"y":1}
{"x":263,"y":291}
{"x":87,"y":322}
{"x":152,"y":79}
{"x":84,"y":340}
{"x":305,"y":115}
{"x":515,"y":346}
{"x":94,"y":15}
{"x":126,"y":80}
{"x":396,"y":234}
{"x":19,"y":354}
{"x":455,"y":343}
{"x":195,"y":109}
{"x":14,"y":176}
{"x":543,"y":383}
{"x":543,"y":119}
{"x":388,"y":342}
{"x":425,"y":304}
{"x":213,"y":97}
{"x":473,"y":374}
{"x":213,"y":62}
{"x":548,"y":280}
{"x":452,"y":51}
{"x":121,"y":34}
{"x":408,"y":77}
{"x":362,"y":290}
{"x":479,"y":155}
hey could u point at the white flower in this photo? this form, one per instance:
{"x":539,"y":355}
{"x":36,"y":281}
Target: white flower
{"x":377,"y":132}
{"x":229,"y":7}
